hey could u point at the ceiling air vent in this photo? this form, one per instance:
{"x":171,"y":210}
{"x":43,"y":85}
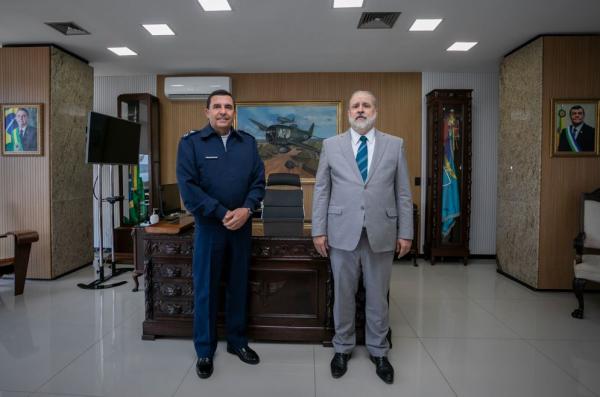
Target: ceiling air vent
{"x":377,"y":20}
{"x":68,"y":28}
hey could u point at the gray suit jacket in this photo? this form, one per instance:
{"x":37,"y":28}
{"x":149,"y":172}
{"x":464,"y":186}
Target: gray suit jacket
{"x":343,"y":203}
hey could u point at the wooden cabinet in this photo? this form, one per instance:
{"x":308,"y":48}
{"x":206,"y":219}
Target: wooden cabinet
{"x":448,"y":206}
{"x":138,"y":204}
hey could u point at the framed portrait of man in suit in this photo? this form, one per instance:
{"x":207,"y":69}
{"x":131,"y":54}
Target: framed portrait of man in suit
{"x":575,"y":128}
{"x":22,"y":130}
{"x":290,"y":135}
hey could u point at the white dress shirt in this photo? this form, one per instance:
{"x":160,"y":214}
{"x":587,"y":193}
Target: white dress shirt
{"x":224,"y":138}
{"x":370,"y":145}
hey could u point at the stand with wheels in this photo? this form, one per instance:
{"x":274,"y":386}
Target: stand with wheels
{"x":102,"y":278}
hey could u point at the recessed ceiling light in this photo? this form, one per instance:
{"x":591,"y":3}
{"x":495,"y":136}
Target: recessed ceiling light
{"x":160,"y":29}
{"x":122,"y":51}
{"x":425,"y":25}
{"x":347,"y":3}
{"x":462,"y":46}
{"x":215,"y":5}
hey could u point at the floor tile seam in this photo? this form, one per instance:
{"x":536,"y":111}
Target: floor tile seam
{"x":560,"y":368}
{"x":36,"y":394}
{"x":403,"y":316}
{"x":15,"y":391}
{"x":183,"y":379}
{"x":562,"y":339}
{"x":85,"y":350}
{"x":473,"y":337}
{"x":498,"y":319}
{"x":438,"y":367}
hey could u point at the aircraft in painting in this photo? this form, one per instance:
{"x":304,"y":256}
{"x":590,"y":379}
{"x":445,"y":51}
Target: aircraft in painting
{"x":286,"y":134}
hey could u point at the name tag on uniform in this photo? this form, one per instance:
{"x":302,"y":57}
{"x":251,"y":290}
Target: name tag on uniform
{"x":211,"y":157}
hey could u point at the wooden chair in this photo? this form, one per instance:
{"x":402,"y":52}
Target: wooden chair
{"x":18,"y":264}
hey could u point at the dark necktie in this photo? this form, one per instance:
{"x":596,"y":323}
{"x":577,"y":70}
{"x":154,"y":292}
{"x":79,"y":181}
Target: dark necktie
{"x":362,"y":158}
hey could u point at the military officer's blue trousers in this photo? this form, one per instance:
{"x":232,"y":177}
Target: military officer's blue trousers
{"x":216,"y":248}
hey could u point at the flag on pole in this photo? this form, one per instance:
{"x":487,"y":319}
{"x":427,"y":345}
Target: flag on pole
{"x":137,"y":207}
{"x":450,"y":188}
{"x":12,"y":139}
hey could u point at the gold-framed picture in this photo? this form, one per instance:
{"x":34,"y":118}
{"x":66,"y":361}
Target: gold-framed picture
{"x":290,"y":135}
{"x":22,"y":131}
{"x":575,"y":127}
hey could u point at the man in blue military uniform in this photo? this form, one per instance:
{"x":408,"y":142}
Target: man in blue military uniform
{"x":222,"y":180}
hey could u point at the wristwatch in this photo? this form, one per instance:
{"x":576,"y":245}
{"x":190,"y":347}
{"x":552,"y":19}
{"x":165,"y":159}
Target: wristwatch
{"x":250,"y":212}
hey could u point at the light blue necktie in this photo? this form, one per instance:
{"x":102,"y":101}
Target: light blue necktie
{"x":362,"y":158}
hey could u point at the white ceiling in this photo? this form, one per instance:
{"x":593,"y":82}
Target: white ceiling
{"x":292,"y":35}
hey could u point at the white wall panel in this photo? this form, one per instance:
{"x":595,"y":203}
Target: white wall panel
{"x":106,"y":91}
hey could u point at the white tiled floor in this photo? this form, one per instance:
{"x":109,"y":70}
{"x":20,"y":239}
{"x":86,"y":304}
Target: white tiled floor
{"x":458,"y":331}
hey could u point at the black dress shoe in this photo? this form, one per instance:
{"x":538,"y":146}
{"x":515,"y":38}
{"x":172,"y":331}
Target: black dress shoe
{"x":204,"y":367}
{"x":245,"y":354}
{"x":339,"y":364}
{"x":384,"y":369}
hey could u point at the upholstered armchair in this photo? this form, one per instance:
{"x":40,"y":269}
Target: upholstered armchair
{"x":18,"y":264}
{"x":587,"y":247}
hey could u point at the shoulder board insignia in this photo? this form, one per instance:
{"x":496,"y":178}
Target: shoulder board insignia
{"x":192,"y":132}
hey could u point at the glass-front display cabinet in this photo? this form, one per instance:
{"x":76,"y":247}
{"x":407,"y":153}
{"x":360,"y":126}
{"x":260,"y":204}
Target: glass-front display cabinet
{"x":448,"y":205}
{"x":140,"y":184}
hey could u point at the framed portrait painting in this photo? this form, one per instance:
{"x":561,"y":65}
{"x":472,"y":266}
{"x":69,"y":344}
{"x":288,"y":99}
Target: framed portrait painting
{"x":575,"y":128}
{"x":290,"y":134}
{"x":22,"y":129}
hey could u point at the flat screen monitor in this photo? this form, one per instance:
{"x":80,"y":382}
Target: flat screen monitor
{"x":111,"y":140}
{"x":170,"y":199}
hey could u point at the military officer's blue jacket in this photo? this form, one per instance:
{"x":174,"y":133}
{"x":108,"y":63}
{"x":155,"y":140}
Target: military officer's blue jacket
{"x":213,"y":179}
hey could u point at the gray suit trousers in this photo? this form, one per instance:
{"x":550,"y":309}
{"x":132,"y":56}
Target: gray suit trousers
{"x":376,"y":269}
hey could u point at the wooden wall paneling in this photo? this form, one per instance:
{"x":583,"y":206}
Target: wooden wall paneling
{"x":571,"y":67}
{"x":25,"y":181}
{"x":399,"y":108}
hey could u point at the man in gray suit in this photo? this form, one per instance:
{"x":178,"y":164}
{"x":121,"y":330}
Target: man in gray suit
{"x":362,"y":213}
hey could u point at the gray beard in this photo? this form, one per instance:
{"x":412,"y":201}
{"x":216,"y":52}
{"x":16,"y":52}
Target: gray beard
{"x":362,"y":125}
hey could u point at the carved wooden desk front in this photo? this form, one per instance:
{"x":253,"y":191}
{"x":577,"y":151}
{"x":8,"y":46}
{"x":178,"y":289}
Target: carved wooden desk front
{"x":290,"y":295}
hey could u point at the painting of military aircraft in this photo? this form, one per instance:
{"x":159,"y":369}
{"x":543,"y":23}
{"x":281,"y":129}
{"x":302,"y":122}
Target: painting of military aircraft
{"x":285,"y":134}
{"x":289,"y":135}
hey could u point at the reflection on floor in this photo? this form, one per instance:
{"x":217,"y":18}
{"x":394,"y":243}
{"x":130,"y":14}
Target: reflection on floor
{"x":458,"y":331}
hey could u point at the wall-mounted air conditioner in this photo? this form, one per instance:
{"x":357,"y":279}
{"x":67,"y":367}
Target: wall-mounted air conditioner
{"x":195,"y":87}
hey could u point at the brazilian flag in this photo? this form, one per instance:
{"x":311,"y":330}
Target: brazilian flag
{"x":12,"y":139}
{"x":138,"y":211}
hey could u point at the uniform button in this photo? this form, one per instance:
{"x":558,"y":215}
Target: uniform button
{"x":362,"y":207}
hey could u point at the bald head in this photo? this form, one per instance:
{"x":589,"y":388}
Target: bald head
{"x":363,"y":93}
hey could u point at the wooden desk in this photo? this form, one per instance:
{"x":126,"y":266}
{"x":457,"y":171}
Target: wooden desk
{"x":290,"y":295}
